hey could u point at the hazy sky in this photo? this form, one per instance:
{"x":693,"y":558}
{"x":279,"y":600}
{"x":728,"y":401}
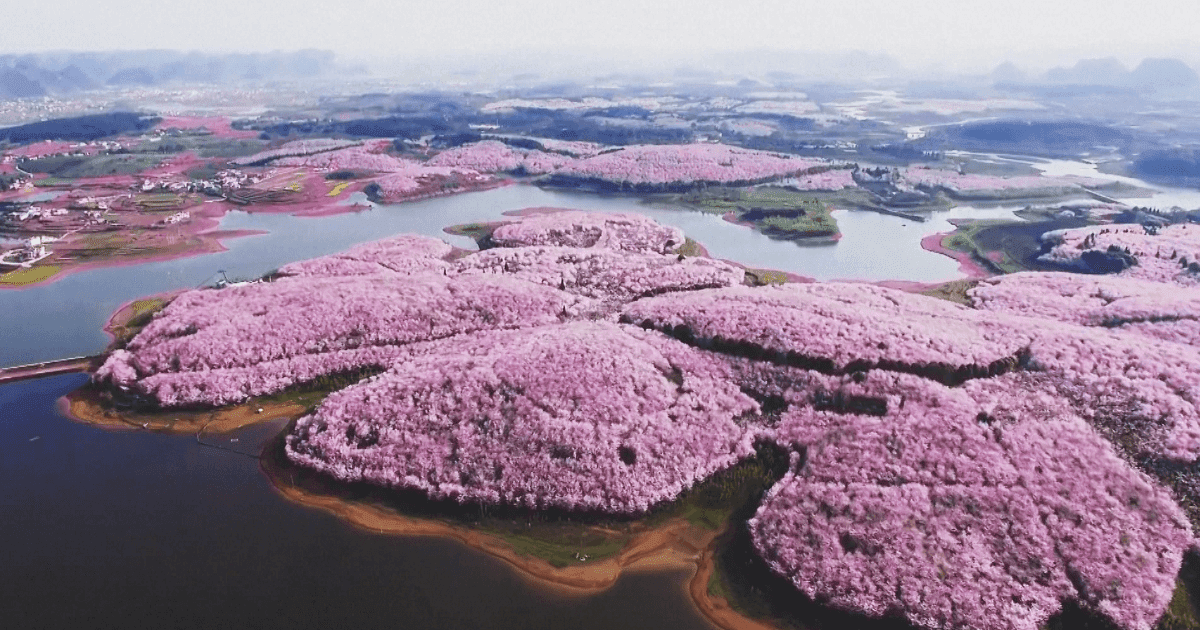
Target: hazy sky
{"x":918,"y":32}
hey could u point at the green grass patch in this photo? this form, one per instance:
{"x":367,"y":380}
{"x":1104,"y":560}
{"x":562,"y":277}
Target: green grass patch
{"x":31,"y":275}
{"x":160,"y":202}
{"x":85,"y":166}
{"x":953,"y":291}
{"x":763,"y":277}
{"x":214,"y":147}
{"x":134,"y":317}
{"x":690,"y":248}
{"x":1007,"y":246}
{"x":481,"y":233}
{"x":1181,"y":613}
{"x":716,"y":583}
{"x":774,"y":211}
{"x":565,"y":548}
{"x":51,"y":182}
{"x":712,"y":503}
{"x":207,"y":171}
{"x":311,"y":393}
{"x":206,"y":146}
{"x":967,"y":239}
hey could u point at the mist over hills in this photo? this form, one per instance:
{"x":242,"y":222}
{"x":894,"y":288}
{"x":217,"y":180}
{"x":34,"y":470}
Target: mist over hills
{"x":1107,"y":74}
{"x":40,"y":74}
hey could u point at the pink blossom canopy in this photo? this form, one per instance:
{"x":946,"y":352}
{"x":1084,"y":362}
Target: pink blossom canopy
{"x":222,"y":346}
{"x":961,"y":467}
{"x":624,"y":231}
{"x":582,"y":416}
{"x":666,"y":164}
{"x":956,"y":518}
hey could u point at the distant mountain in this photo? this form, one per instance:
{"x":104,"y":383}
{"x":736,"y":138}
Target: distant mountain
{"x":1091,"y":72}
{"x":73,"y":78}
{"x":132,"y":76}
{"x":14,"y":84}
{"x":1008,"y":72}
{"x":832,"y":66}
{"x":38,"y":74}
{"x":1164,"y":74}
{"x":1154,"y":74}
{"x":67,"y":79}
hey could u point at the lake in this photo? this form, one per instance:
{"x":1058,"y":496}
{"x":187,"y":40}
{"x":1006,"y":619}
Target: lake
{"x":65,"y":317}
{"x":141,"y":530}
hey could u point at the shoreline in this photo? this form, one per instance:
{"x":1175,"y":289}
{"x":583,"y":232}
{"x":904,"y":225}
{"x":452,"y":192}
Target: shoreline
{"x":673,"y":545}
{"x":85,"y":407}
{"x":966,"y":263}
{"x":125,"y":312}
{"x":815,"y":240}
{"x":206,"y":237}
{"x":209,"y":242}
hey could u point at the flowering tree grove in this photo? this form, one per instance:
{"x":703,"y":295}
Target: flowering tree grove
{"x":957,"y":466}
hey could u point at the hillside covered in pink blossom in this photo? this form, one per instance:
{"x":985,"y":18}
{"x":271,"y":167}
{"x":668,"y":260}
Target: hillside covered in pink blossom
{"x":954,"y":466}
{"x":970,"y":184}
{"x":1169,"y":254}
{"x":582,"y":416}
{"x":624,"y":231}
{"x":493,"y":156}
{"x":954,"y":517}
{"x":650,"y":166}
{"x":396,"y":178}
{"x":1155,"y":309}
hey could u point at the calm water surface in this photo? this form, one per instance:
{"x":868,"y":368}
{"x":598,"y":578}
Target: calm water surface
{"x":134,"y":529}
{"x":64,"y":318}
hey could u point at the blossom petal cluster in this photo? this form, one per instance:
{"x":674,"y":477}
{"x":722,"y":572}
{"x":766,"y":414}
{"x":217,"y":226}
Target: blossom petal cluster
{"x":619,"y":231}
{"x":356,"y":158}
{"x":580,"y":416}
{"x":295,"y":148}
{"x":397,"y":178}
{"x":839,"y":328}
{"x":1143,"y":392}
{"x":832,"y":179}
{"x":959,"y":182}
{"x":572,"y":148}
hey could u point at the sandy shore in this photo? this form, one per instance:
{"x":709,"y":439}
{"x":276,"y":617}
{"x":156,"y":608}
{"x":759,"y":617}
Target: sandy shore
{"x":717,"y":609}
{"x":86,"y":407}
{"x":674,"y":545}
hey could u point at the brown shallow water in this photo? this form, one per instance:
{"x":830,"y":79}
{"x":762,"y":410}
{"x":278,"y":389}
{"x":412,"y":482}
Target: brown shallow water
{"x":137,"y":529}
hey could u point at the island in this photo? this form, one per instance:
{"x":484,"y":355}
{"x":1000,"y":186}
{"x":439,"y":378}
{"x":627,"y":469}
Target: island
{"x":579,"y":397}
